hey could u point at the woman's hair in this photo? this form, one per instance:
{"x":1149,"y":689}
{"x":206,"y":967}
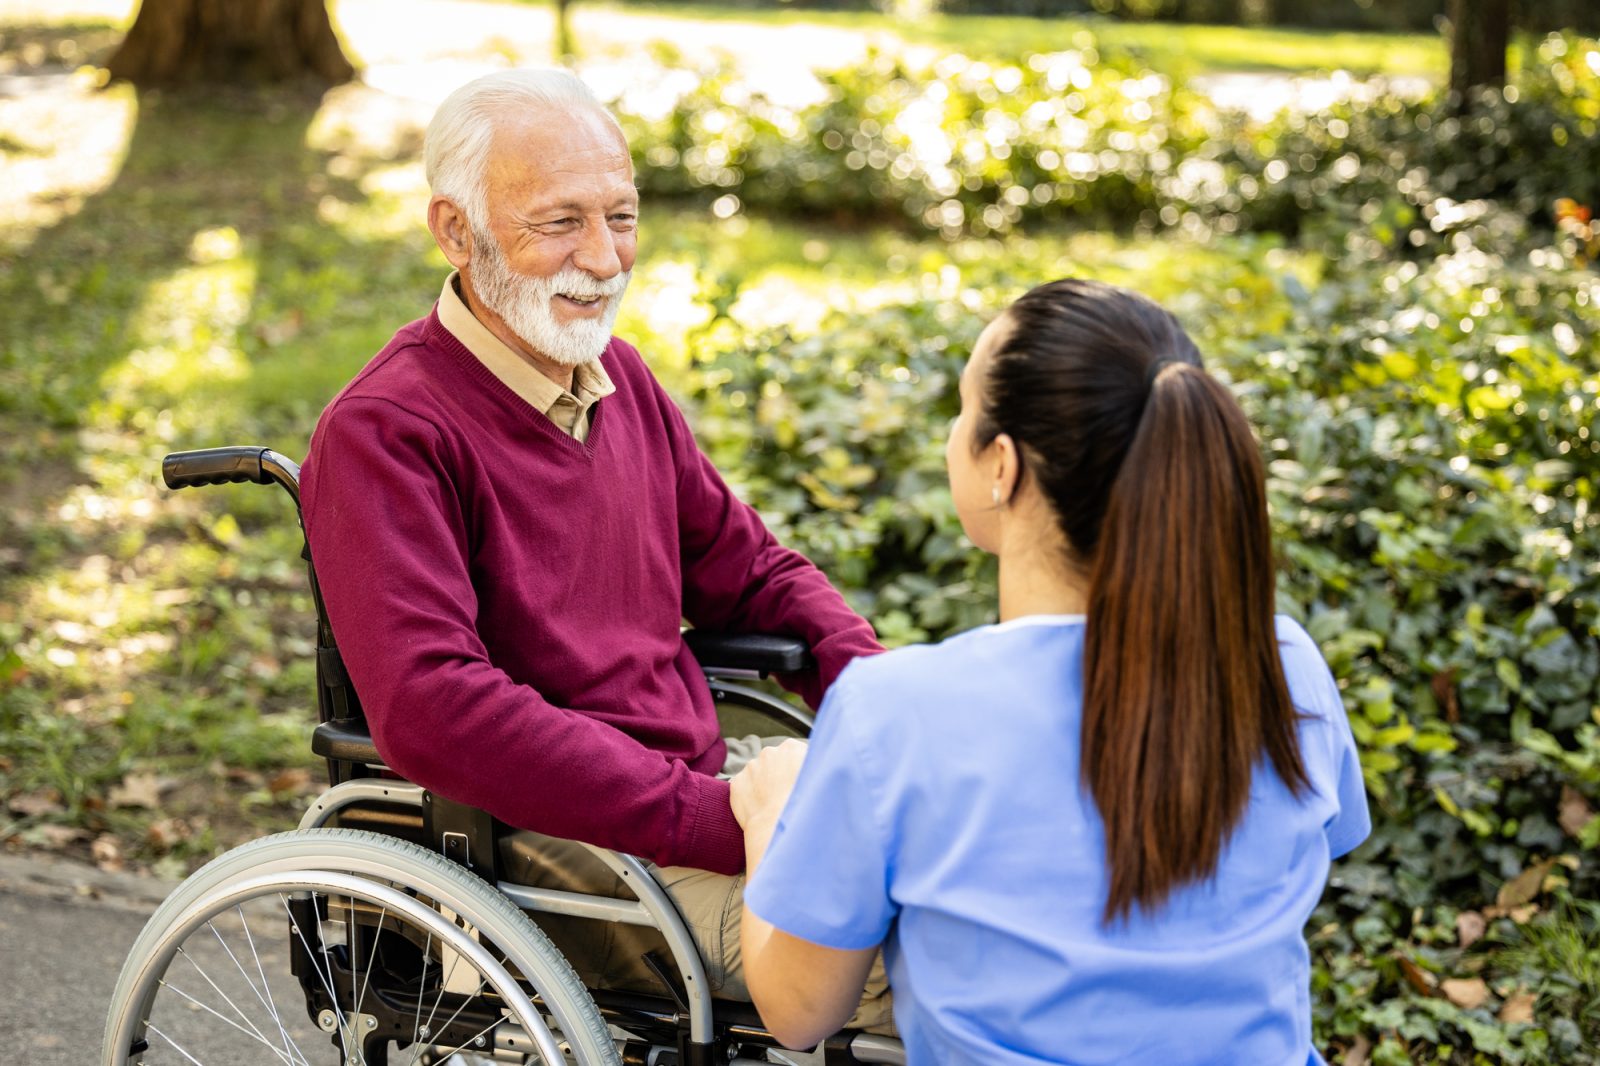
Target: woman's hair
{"x":1156,"y":480}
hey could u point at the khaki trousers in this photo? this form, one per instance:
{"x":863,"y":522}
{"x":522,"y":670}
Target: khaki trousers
{"x":611,"y":954}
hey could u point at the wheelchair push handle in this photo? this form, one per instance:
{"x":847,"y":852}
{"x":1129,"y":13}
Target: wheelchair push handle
{"x":237,"y":465}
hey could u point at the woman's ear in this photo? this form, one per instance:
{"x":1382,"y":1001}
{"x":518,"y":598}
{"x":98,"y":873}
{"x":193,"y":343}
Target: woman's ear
{"x":1005,"y":467}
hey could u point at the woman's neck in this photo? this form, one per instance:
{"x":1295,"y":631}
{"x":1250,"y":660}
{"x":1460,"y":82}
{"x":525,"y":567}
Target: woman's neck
{"x":1034,"y":582}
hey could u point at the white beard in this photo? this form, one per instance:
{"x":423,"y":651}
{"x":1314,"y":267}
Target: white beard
{"x":523,"y":304}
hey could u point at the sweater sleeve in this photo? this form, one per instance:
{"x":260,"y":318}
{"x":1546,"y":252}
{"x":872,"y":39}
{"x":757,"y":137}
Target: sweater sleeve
{"x":389,"y":535}
{"x":738,"y":578}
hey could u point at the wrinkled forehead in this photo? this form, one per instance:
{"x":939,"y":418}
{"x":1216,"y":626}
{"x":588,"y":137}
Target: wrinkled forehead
{"x":560,"y":150}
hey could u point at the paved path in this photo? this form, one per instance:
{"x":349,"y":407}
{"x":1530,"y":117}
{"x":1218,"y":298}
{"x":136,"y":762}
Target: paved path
{"x":64,"y":930}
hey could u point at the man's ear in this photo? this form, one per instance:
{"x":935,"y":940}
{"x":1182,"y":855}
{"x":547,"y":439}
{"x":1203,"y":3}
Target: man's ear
{"x":451,"y":231}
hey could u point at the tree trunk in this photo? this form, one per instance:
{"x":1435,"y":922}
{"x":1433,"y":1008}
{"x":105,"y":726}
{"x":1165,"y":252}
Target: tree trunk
{"x":566,"y":50}
{"x":180,"y":42}
{"x":1480,"y":33}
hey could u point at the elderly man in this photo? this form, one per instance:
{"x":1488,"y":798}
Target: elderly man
{"x":510,"y":519}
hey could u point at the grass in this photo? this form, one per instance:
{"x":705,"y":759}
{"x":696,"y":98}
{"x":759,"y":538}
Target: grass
{"x":1179,"y":48}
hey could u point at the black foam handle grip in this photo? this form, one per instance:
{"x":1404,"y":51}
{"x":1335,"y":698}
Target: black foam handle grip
{"x":214,"y":466}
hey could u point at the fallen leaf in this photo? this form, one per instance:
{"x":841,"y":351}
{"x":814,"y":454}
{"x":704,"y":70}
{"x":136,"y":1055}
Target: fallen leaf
{"x":168,"y":833}
{"x":1444,"y":692}
{"x":1523,"y":888}
{"x":1521,"y":915}
{"x":289,"y":782}
{"x":1468,"y":993}
{"x":106,"y":852}
{"x":1518,"y":1008}
{"x":1420,"y":979}
{"x":141,"y":788}
{"x":1359,"y":1053}
{"x":1574,"y":811}
{"x":36,"y":804}
{"x":55,"y":837}
{"x":1470,"y":927}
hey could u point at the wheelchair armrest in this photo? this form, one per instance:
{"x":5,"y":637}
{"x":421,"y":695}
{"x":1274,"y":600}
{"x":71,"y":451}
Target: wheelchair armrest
{"x":345,"y":742}
{"x":760,"y":653}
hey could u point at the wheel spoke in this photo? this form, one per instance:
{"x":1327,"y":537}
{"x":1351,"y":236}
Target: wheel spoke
{"x":175,"y":1045}
{"x":422,"y":982}
{"x":444,"y":981}
{"x":372,"y":956}
{"x":325,"y":975}
{"x":465,"y":1000}
{"x":289,"y":1044}
{"x":254,"y":1035}
{"x":225,"y":997}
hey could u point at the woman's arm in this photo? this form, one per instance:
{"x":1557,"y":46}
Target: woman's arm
{"x":804,"y":991}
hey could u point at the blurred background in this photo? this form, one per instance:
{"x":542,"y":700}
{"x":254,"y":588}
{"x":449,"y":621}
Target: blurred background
{"x":1374,"y":217}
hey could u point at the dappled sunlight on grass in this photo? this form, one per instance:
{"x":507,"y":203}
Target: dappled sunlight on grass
{"x":187,"y":334}
{"x":56,"y":150}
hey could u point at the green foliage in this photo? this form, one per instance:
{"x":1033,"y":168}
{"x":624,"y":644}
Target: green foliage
{"x":1389,"y":174}
{"x":963,"y":146}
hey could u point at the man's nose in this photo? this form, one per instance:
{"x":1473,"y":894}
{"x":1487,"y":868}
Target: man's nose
{"x":597,"y":254}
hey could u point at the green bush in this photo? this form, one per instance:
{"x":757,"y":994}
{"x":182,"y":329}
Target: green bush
{"x":1410,"y":175}
{"x":961,"y":146}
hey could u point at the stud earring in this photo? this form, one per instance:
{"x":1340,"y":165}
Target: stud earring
{"x":994,"y":494}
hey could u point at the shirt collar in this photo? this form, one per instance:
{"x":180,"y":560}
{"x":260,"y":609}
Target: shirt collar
{"x":589,"y":380}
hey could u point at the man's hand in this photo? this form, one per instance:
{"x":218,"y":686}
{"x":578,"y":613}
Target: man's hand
{"x":759,"y":791}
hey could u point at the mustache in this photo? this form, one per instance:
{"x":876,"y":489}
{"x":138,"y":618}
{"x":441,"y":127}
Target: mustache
{"x":584,"y":285}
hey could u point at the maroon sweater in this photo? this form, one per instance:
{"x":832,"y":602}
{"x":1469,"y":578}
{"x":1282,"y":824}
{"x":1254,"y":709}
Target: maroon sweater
{"x":508,"y":600}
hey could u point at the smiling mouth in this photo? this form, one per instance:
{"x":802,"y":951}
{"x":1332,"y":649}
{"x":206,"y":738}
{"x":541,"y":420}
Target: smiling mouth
{"x":582,"y":301}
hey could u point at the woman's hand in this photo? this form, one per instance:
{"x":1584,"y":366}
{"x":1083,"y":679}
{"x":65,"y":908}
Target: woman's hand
{"x":804,"y":991}
{"x":759,"y":791}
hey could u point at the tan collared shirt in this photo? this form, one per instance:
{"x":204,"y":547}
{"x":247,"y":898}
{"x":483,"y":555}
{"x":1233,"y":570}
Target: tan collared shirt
{"x":570,"y":411}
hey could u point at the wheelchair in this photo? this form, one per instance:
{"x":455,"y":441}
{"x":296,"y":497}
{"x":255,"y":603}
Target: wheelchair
{"x":383,"y":930}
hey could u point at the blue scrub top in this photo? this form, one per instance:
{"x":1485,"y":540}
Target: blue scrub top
{"x":940,"y":807}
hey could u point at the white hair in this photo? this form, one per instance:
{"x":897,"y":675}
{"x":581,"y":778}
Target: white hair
{"x":460,"y":136}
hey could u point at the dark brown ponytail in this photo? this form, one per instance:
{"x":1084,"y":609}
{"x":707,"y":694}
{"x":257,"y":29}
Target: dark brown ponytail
{"x":1158,"y":483}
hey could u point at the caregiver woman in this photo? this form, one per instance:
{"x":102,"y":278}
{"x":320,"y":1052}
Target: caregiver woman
{"x":1093,"y":832}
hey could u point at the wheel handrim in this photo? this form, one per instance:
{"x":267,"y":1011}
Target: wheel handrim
{"x":265,"y":1026}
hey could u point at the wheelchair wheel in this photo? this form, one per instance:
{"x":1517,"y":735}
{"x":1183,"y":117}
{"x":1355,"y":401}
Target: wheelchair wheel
{"x":346,"y":947}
